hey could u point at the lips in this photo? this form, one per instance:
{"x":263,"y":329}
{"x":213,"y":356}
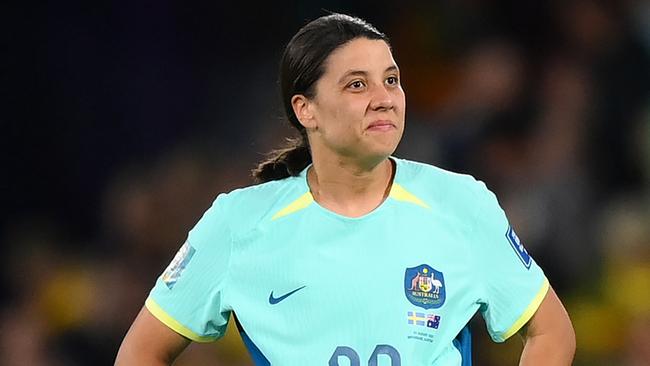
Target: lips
{"x":381,"y":125}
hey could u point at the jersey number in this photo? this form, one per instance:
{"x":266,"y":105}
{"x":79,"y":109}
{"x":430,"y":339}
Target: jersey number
{"x":353,"y":356}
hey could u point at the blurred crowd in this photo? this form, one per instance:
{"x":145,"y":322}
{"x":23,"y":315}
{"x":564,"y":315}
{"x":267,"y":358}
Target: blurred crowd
{"x":547,"y":102}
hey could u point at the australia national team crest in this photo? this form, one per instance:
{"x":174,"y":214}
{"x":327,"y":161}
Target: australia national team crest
{"x":424,"y":287}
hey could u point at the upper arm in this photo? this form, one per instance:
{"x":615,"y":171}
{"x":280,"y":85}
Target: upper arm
{"x":190,"y":296}
{"x":150,"y":342}
{"x":549,"y":338}
{"x":550,"y":318}
{"x":511,"y":284}
{"x":187,"y":302}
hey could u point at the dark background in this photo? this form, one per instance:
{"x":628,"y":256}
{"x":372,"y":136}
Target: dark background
{"x":121,"y":121}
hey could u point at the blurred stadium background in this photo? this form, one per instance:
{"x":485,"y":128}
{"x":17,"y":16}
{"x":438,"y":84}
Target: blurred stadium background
{"x":121,"y":121}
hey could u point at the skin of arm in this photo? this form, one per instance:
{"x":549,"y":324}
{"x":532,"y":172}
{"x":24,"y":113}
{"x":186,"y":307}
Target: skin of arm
{"x":549,"y":338}
{"x":150,"y":342}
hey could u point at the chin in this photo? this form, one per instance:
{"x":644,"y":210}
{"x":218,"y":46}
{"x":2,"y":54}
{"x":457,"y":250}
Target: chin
{"x":380,"y":153}
{"x":384,"y":147}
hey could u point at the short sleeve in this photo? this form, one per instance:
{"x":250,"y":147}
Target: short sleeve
{"x":188,"y":296}
{"x":513,"y":285}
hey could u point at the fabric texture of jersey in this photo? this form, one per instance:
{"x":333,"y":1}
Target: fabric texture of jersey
{"x":312,"y":287}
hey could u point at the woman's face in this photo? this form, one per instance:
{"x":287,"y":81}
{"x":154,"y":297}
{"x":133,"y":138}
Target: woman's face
{"x":359,"y":106}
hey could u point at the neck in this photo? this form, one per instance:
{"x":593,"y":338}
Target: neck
{"x":350,"y":188}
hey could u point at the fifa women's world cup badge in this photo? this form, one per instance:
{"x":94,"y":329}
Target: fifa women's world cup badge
{"x":424,"y":287}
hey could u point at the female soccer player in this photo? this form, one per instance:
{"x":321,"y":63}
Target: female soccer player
{"x":346,"y":255}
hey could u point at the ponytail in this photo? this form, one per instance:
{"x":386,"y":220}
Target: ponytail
{"x":284,"y":162}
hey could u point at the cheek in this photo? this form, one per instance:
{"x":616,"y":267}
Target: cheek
{"x":401,"y":102}
{"x":349,"y":116}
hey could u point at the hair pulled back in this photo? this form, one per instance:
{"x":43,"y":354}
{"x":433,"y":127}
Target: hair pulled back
{"x":301,"y":66}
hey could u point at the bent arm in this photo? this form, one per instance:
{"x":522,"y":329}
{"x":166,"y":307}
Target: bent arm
{"x":549,"y":338}
{"x":150,"y":342}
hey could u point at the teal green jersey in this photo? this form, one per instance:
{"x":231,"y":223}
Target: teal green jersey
{"x":396,"y":286}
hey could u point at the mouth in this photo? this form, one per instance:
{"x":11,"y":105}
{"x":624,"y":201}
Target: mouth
{"x":381,"y":125}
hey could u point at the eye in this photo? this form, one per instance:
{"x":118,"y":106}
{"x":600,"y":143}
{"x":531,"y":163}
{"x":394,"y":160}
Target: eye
{"x":392,"y":80}
{"x":356,"y":85}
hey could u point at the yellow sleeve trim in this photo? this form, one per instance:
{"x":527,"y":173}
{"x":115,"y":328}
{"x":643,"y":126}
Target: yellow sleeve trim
{"x":528,"y":313}
{"x":399,"y":193}
{"x":297,"y":205}
{"x":172,"y":323}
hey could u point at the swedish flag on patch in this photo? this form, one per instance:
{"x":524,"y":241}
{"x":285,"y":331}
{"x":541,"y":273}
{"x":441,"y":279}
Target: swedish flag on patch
{"x":416,"y":318}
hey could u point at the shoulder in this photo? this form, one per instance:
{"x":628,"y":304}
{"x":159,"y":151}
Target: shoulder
{"x":461,"y":198}
{"x":436,"y":183}
{"x":245,"y":207}
{"x":457,"y":195}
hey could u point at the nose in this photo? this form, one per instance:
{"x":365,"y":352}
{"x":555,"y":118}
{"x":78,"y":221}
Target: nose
{"x":381,"y":98}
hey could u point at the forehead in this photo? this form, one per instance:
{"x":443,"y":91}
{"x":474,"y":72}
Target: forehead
{"x":360,"y":54}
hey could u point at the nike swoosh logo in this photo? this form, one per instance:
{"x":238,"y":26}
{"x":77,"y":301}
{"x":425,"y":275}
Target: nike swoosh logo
{"x":275,"y":300}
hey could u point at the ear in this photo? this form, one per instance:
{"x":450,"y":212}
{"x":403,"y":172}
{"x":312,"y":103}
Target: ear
{"x":302,"y":107}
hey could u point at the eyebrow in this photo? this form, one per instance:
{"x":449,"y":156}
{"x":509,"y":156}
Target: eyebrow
{"x":364,"y":73}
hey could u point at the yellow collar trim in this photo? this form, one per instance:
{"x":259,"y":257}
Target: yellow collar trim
{"x":295,"y":206}
{"x":399,"y":193}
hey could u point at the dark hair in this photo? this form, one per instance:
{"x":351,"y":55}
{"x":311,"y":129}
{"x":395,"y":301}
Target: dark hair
{"x":301,"y":66}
